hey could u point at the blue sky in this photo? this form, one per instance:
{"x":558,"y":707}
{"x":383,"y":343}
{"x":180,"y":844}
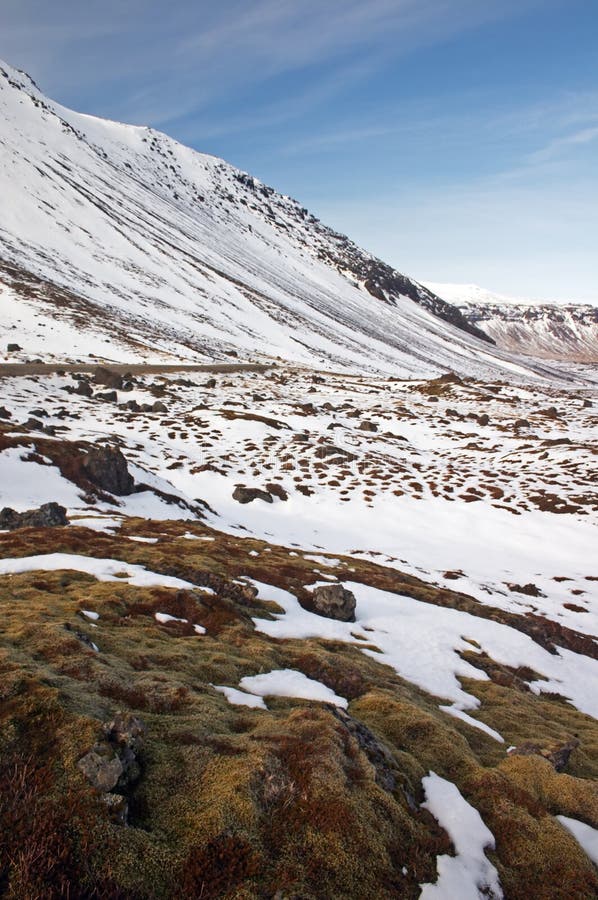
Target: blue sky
{"x":456,"y":139}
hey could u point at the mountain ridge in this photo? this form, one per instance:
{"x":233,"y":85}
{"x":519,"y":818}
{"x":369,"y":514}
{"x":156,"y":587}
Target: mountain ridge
{"x":189,"y":256}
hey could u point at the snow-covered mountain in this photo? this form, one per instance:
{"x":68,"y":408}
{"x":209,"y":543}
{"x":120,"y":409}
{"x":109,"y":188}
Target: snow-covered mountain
{"x":540,"y":328}
{"x":118,"y":237}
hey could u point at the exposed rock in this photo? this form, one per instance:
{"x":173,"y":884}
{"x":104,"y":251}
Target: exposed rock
{"x":325,"y":450}
{"x":102,"y":767}
{"x":377,"y":753}
{"x":84,"y":389}
{"x":5,"y":413}
{"x":521,"y":423}
{"x":277,"y":490}
{"x":49,"y":515}
{"x":159,"y":407}
{"x":368,"y":426}
{"x":33,"y":424}
{"x":108,"y":396}
{"x":530,"y":589}
{"x":107,"y":468}
{"x":126,"y":730}
{"x":118,"y":808}
{"x":13,"y":348}
{"x":81,"y":636}
{"x":108,"y":378}
{"x":484,"y":419}
{"x":334,"y":602}
{"x":210,"y":383}
{"x":247,"y":495}
{"x":112,"y":762}
{"x":557,"y":755}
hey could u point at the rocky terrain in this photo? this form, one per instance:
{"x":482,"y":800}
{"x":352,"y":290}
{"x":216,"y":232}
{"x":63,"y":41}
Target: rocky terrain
{"x":297,"y":634}
{"x":551,"y":331}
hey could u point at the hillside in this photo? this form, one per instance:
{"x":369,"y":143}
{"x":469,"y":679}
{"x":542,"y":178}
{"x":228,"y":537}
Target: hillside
{"x":545,"y":330}
{"x":315,"y":620}
{"x":116,"y":240}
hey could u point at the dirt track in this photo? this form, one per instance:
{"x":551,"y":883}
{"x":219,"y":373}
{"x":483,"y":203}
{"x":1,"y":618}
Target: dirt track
{"x":12,"y":369}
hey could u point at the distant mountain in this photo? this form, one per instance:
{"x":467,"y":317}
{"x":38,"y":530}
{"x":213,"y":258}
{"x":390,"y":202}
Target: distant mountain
{"x":118,"y":241}
{"x":545,"y":329}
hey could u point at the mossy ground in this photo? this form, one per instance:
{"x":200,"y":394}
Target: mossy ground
{"x":239,"y":803}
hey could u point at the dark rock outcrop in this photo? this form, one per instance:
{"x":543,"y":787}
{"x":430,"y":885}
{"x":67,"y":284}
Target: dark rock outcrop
{"x":247,"y":495}
{"x":49,"y":515}
{"x":108,"y":378}
{"x":112,"y":765}
{"x":106,"y":467}
{"x":333,"y":601}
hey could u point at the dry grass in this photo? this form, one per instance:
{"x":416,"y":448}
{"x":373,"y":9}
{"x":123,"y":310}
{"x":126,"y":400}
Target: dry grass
{"x":238,"y":803}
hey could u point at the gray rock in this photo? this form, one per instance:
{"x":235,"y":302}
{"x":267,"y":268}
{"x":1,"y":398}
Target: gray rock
{"x":49,"y":515}
{"x":333,"y":601}
{"x":102,"y":767}
{"x":13,"y":348}
{"x":108,"y":378}
{"x":106,"y":467}
{"x":366,"y":425}
{"x":108,"y":396}
{"x":247,"y":495}
{"x":83,"y":389}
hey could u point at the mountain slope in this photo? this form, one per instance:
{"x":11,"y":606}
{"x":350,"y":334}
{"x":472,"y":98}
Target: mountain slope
{"x":557,"y":331}
{"x":161,"y":250}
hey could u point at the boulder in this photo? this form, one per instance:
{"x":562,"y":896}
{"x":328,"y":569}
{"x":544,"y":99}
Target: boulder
{"x":106,"y":467}
{"x":49,"y":515}
{"x":102,"y":767}
{"x":13,"y":348}
{"x":5,"y":413}
{"x":83,"y":389}
{"x":108,"y":378}
{"x":333,"y":601}
{"x":366,"y":425}
{"x":484,"y":419}
{"x":108,"y":396}
{"x":247,"y":495}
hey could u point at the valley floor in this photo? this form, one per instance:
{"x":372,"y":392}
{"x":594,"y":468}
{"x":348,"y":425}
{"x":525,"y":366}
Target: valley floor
{"x":442,"y":744}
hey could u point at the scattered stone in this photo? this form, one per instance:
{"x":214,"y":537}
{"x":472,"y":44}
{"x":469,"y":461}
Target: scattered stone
{"x":159,"y":407}
{"x":484,"y":419}
{"x":108,"y":396}
{"x":368,"y":426}
{"x":247,"y":495}
{"x":333,"y":601}
{"x":13,"y":348}
{"x":210,"y":383}
{"x":5,"y":413}
{"x":106,"y":467}
{"x":522,"y":423}
{"x":49,"y":515}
